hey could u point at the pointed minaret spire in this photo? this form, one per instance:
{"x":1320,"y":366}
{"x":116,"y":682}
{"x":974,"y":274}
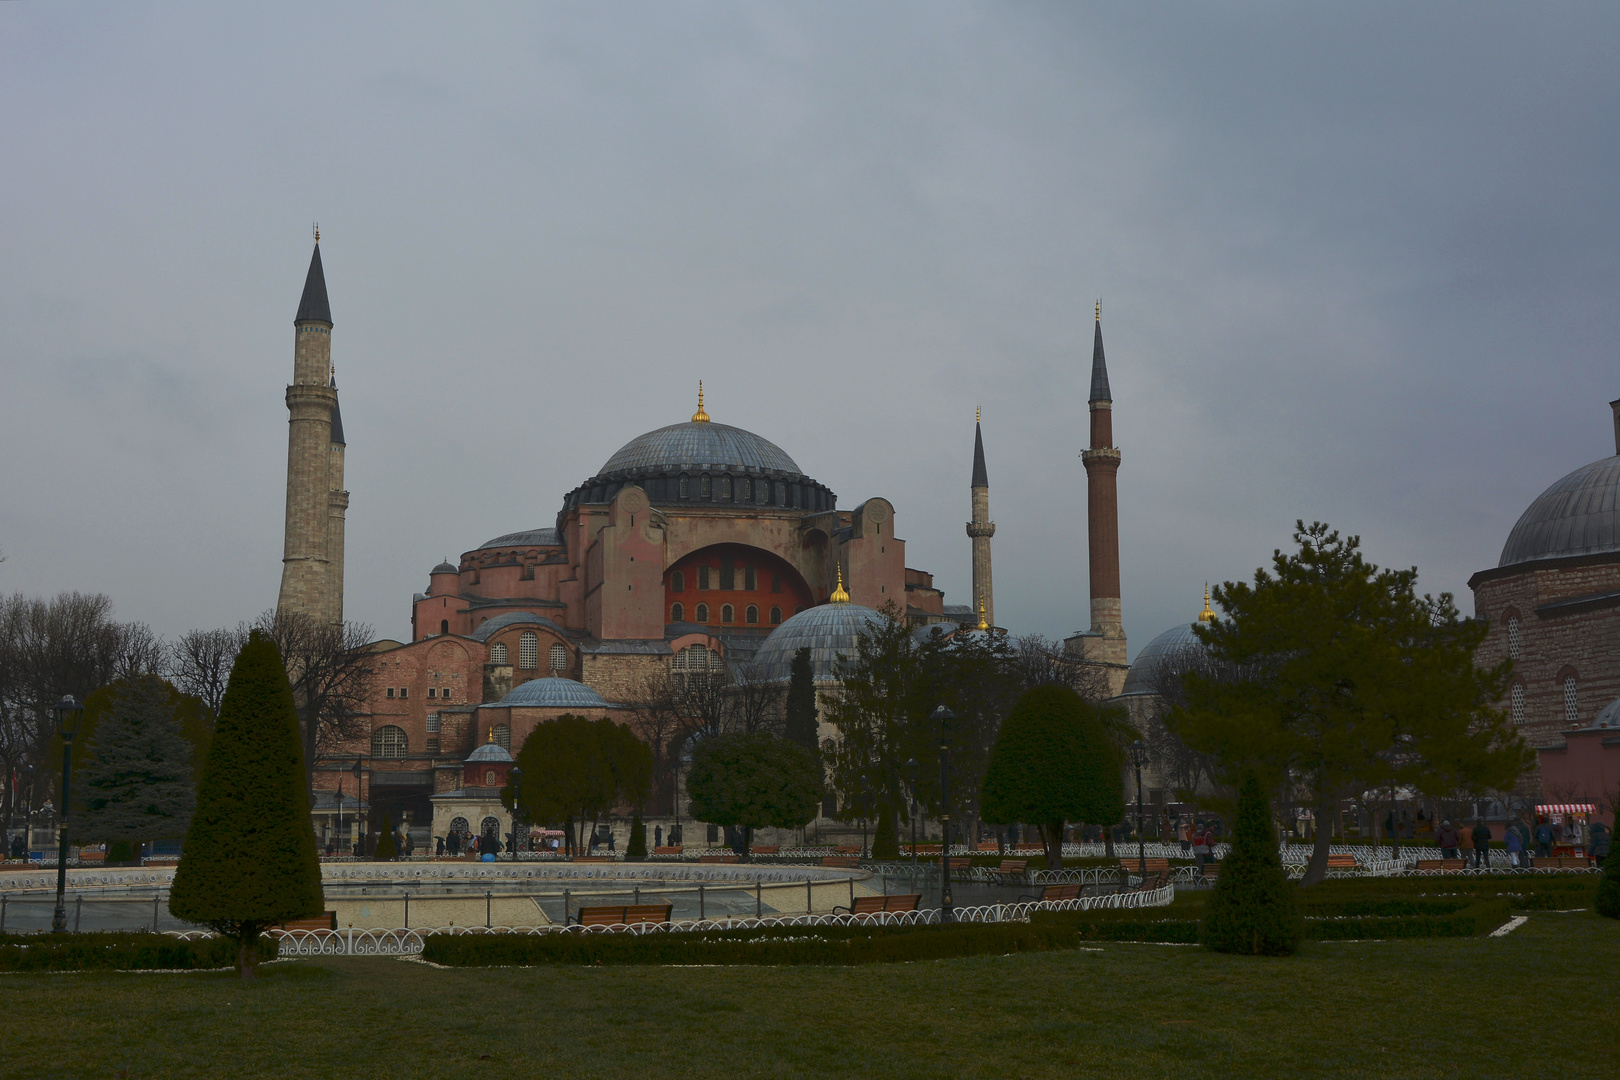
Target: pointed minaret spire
{"x":1099,"y":366}
{"x":1104,"y":643}
{"x":312,"y":307}
{"x":980,"y":529}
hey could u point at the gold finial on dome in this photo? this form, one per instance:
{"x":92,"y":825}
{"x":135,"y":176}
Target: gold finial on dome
{"x":1099,"y":311}
{"x":700,"y":417}
{"x":839,"y":596}
{"x":317,"y":232}
{"x":1206,"y":615}
{"x":975,"y":414}
{"x":983,"y":624}
{"x":492,"y":735}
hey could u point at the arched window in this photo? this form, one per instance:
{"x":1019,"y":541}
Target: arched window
{"x":1572,"y":701}
{"x":1513,"y":637}
{"x":703,"y":613}
{"x":388,"y":742}
{"x":704,"y":488}
{"x":1517,"y":698}
{"x":529,"y":650}
{"x":559,"y":656}
{"x":726,"y":613}
{"x":696,"y":658}
{"x":460,"y":825}
{"x":490,"y":826}
{"x":677,"y":582}
{"x":677,"y":613}
{"x":747,"y":491}
{"x":444,"y":626}
{"x":751,"y":615}
{"x":685,"y":493}
{"x":776,"y":616}
{"x":497,"y":653}
{"x":503,"y":736}
{"x":489,"y":778}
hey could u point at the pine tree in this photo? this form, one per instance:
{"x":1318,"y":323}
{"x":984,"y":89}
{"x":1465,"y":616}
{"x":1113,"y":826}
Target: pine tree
{"x":137,"y":785}
{"x":801,"y":702}
{"x":249,"y":860}
{"x":1252,"y":909}
{"x":637,"y":847}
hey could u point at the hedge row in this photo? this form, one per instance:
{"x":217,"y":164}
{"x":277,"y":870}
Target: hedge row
{"x":1480,"y":917}
{"x":118,"y":952}
{"x":765,"y":945}
{"x":1344,"y":922}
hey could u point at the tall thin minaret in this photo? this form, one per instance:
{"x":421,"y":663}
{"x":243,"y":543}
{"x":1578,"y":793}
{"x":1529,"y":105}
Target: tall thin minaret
{"x":1104,"y":643}
{"x":312,"y":559}
{"x":981,"y":529}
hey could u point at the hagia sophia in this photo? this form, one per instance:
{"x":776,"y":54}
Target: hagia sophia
{"x":702,"y":546}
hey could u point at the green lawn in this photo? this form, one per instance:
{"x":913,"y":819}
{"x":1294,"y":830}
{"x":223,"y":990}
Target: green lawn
{"x":1537,"y":1003}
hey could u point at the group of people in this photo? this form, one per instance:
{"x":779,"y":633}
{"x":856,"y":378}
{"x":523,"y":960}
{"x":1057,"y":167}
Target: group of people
{"x":455,"y":843}
{"x":1197,"y":838}
{"x":1523,"y":844}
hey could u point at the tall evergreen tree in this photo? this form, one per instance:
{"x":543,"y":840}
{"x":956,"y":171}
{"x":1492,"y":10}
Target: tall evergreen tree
{"x":249,"y":860}
{"x":137,"y":785}
{"x":801,"y":702}
{"x":1252,"y":909}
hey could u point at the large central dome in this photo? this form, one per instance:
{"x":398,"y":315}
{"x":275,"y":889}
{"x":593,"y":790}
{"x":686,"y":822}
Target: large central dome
{"x":699,"y":445}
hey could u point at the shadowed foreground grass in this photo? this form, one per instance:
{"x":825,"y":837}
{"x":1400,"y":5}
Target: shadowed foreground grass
{"x":1537,"y":1003}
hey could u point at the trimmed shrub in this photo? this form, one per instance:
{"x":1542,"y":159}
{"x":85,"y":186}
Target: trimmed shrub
{"x":1607,"y":901}
{"x":764,"y":945}
{"x":1464,"y":920}
{"x":637,"y":847}
{"x":387,"y":850}
{"x":886,"y":841}
{"x":122,"y":851}
{"x":121,"y":952}
{"x":1252,"y":909}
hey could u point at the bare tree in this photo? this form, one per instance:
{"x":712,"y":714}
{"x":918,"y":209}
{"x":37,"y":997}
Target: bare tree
{"x":662,"y":722}
{"x":754,"y":702}
{"x":200,"y":663}
{"x":1040,"y":661}
{"x":330,"y":667}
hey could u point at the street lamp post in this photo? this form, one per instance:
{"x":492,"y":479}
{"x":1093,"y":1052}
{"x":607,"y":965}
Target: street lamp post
{"x":943,"y":717}
{"x":513,"y":777}
{"x":68,"y":712}
{"x":1138,"y":750}
{"x":912,"y":769}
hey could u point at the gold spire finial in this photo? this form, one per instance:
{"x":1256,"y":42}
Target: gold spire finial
{"x":983,"y":624}
{"x":975,"y":414}
{"x":317,"y":232}
{"x":492,"y":735}
{"x":700,"y":417}
{"x":1206,"y":615}
{"x":839,"y":596}
{"x":1099,"y":310}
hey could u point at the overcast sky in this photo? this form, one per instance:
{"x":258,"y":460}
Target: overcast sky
{"x":1357,"y":264}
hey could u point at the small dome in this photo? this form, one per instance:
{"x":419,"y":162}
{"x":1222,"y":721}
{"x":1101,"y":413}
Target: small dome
{"x":1579,"y":515}
{"x":445,"y":568}
{"x":490,"y":752}
{"x":828,"y":630}
{"x":718,"y":446}
{"x":1609,"y":717}
{"x":484,"y":630}
{"x":553,"y":693}
{"x":1171,"y":653}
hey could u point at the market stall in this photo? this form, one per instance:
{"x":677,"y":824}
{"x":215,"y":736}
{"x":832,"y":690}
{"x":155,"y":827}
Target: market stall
{"x":1570,"y":823}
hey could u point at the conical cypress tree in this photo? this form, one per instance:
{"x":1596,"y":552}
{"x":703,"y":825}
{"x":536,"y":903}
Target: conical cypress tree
{"x":1252,"y":909}
{"x":886,"y":841}
{"x":386,"y":848}
{"x":637,"y":847}
{"x":249,"y":860}
{"x":137,"y":786}
{"x":1608,"y":893}
{"x":801,"y":702}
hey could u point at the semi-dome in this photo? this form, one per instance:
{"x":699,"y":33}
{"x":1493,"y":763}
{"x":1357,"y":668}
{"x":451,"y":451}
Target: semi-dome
{"x":488,"y":628}
{"x":698,"y":445}
{"x":828,"y":630}
{"x":1579,"y":515}
{"x":552,"y":693}
{"x":524,"y":538}
{"x":1171,"y":653}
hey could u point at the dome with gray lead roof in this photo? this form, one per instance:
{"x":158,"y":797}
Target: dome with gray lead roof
{"x":490,"y":752}
{"x":829,"y":631}
{"x":1172,"y":653}
{"x":1579,"y":515}
{"x":698,"y":444}
{"x":553,"y":693}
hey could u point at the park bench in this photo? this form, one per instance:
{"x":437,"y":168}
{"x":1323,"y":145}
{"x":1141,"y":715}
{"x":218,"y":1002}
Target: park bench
{"x":960,"y":862}
{"x":1010,"y":868}
{"x":1038,"y":848}
{"x":325,"y":921}
{"x":1442,"y":864}
{"x":1563,"y":861}
{"x":924,"y":849}
{"x":1154,"y":866}
{"x":759,"y":850}
{"x":988,"y":846}
{"x":846,"y":861}
{"x":670,"y":849}
{"x":624,"y":915}
{"x":1053,"y":894}
{"x":873,"y":905}
{"x":1341,"y":862}
{"x":720,"y":858}
{"x":1152,"y":881}
{"x":1212,"y":871}
{"x":846,"y":850}
{"x":593,"y":858}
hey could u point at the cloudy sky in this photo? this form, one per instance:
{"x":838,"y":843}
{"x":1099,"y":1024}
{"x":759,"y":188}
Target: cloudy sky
{"x":1357,"y":263}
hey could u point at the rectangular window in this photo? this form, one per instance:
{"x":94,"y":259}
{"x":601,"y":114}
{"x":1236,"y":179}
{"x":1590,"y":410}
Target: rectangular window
{"x":703,"y":488}
{"x":750,"y":582}
{"x":433,"y":744}
{"x":725,"y":487}
{"x":684,"y":492}
{"x":776,"y":583}
{"x":703,"y":576}
{"x":746,"y":491}
{"x":433,"y":723}
{"x":728,"y":574}
{"x":404,"y":691}
{"x":431,"y":693}
{"x":390,"y":691}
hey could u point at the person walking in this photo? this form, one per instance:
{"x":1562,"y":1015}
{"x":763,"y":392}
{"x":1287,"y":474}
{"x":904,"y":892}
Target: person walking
{"x":1544,"y":840}
{"x":1600,"y":842}
{"x":1201,"y":844}
{"x":658,"y":836}
{"x":1482,"y":844}
{"x":1448,"y":839}
{"x":1515,"y":847}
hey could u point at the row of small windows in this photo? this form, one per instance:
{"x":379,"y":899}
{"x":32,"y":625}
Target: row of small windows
{"x":743,"y":489}
{"x":390,"y":741}
{"x":529,"y":653}
{"x":697,"y":658}
{"x":724,"y":577}
{"x":1572,"y":701}
{"x":728,"y":614}
{"x":433,"y":692}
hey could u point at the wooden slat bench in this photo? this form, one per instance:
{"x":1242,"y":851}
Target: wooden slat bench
{"x":624,"y":915}
{"x":1212,"y":870}
{"x":1341,"y":862}
{"x":1052,"y":894}
{"x":758,"y":850}
{"x":1011,"y":868}
{"x":988,"y":846}
{"x":1563,"y":861}
{"x":846,"y":850}
{"x":671,"y":849}
{"x":326,"y":921}
{"x":961,"y":862}
{"x":1154,"y":866}
{"x":872,"y":905}
{"x":1153,"y":881}
{"x":845,"y":861}
{"x":593,"y":858}
{"x":719,"y":858}
{"x":1442,"y":864}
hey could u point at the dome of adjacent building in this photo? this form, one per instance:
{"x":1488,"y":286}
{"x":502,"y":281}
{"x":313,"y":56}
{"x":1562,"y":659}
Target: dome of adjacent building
{"x":828,"y":631}
{"x":490,"y":752}
{"x":1608,"y":716}
{"x":1579,"y":515}
{"x":552,"y":693}
{"x":701,"y":444}
{"x":1171,"y":653}
{"x":445,"y":568}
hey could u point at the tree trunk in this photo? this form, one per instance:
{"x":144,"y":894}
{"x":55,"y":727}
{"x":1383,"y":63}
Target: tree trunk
{"x":247,"y":961}
{"x":748,"y":843}
{"x":1052,"y":840}
{"x":1317,"y":868}
{"x":1108,"y":842}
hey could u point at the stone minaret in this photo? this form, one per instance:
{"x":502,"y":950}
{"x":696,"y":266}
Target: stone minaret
{"x":981,"y":529}
{"x":312,"y":560}
{"x":1104,"y":643}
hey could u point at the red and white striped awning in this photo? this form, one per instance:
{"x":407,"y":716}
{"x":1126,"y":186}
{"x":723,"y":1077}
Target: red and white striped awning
{"x":1566,"y":808}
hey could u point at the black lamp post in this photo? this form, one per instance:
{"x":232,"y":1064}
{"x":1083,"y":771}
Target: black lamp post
{"x":943,"y":717}
{"x":866,"y":802}
{"x":28,"y":827}
{"x":1138,"y":751}
{"x":912,"y":771}
{"x":68,"y":712}
{"x":513,"y":777}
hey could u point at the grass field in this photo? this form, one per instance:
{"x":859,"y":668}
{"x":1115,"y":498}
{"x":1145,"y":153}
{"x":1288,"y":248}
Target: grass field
{"x":1539,"y":1002}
